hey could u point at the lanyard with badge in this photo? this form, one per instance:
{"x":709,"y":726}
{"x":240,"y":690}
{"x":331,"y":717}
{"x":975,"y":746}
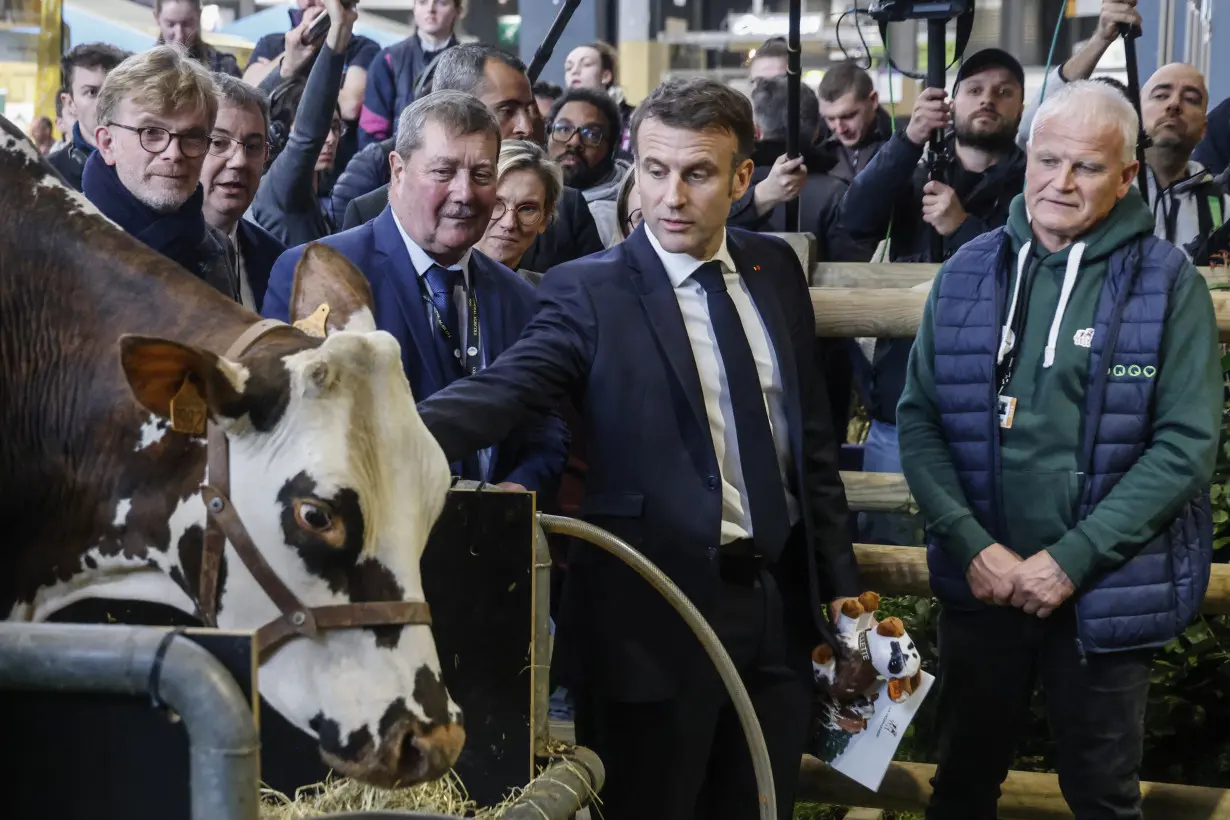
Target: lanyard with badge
{"x":469,"y":358}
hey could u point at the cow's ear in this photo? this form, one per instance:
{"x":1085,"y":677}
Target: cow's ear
{"x":179,"y":382}
{"x":330,"y":293}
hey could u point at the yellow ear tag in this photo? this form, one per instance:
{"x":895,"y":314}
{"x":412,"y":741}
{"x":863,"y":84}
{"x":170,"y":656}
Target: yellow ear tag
{"x":314,"y":325}
{"x":188,"y":410}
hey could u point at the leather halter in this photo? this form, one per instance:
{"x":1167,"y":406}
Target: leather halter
{"x":224,"y":524}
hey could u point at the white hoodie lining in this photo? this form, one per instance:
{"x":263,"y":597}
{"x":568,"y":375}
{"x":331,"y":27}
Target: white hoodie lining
{"x":1007,"y":339}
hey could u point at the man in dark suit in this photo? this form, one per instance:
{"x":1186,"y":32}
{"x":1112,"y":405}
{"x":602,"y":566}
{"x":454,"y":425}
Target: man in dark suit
{"x":498,"y":79}
{"x":230,"y":175}
{"x":687,"y":348}
{"x":452,"y":309}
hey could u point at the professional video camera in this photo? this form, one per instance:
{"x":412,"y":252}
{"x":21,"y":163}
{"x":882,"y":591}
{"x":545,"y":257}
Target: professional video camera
{"x":937,"y":13}
{"x":896,"y":11}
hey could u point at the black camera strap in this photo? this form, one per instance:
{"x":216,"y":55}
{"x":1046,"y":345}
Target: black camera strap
{"x":965,"y":27}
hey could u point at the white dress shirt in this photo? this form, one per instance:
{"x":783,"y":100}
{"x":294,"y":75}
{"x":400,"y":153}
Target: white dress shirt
{"x":694,"y":305}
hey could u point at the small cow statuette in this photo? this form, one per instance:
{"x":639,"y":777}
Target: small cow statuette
{"x":869,"y":651}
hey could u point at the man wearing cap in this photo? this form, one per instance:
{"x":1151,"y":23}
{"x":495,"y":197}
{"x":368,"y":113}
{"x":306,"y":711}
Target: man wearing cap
{"x":987,"y":170}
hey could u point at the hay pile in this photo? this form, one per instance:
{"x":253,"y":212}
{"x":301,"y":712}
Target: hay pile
{"x":445,"y":796}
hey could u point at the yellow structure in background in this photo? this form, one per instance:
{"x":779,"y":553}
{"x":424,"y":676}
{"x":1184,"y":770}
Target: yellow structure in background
{"x":47,"y":85}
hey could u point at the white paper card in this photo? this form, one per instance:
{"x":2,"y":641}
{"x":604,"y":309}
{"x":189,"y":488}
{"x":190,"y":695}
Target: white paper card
{"x":864,"y":757}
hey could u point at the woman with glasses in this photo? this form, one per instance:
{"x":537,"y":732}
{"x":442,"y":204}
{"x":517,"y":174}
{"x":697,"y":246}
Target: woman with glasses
{"x":305,"y":128}
{"x":529,"y":188}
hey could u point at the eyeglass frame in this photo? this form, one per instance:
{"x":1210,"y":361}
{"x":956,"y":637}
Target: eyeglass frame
{"x":264,"y":146}
{"x":501,"y":209}
{"x":578,"y":129}
{"x":142,"y":131}
{"x":634,"y":219}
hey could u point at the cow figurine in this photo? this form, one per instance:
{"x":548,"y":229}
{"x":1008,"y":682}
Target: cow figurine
{"x":868,"y":651}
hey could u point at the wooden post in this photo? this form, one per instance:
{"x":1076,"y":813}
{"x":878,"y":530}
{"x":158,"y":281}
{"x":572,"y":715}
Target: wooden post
{"x":1025,"y":795}
{"x":897,"y":312}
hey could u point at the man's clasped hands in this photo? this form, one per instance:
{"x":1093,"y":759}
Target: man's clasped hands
{"x":1036,"y":584}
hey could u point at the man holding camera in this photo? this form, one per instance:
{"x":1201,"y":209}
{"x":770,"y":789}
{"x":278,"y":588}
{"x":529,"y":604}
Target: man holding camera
{"x":986,"y":172}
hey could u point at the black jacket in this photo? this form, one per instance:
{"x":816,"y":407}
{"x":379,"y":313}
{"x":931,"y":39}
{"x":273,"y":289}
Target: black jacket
{"x":572,"y":235}
{"x":890,"y":189}
{"x":70,"y":160}
{"x":819,"y":205}
{"x":366,"y":171}
{"x":286,"y":203}
{"x":850,"y":162}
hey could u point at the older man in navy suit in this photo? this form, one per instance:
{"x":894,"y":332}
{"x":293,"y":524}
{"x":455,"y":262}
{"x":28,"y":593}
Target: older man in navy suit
{"x":453,"y":310}
{"x":688,"y":350}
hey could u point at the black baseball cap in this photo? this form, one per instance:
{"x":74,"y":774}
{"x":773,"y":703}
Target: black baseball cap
{"x":991,"y":58}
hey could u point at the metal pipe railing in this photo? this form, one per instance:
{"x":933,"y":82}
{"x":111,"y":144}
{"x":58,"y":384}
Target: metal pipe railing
{"x":708,"y":639}
{"x":223,"y":745}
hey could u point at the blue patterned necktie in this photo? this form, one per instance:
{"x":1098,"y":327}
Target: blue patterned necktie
{"x":762,"y":475}
{"x":440,"y":284}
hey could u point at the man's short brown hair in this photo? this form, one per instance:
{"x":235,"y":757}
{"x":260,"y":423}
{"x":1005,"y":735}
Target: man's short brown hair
{"x":845,"y":78}
{"x":163,"y":79}
{"x":92,"y":57}
{"x":699,"y":104}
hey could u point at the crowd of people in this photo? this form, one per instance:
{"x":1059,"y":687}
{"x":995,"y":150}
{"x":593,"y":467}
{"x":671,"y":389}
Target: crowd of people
{"x":589,"y":308}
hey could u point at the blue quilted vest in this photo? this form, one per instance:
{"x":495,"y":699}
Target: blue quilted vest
{"x":1151,"y":598}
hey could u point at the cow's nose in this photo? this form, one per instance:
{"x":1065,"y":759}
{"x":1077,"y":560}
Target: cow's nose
{"x":428,"y":755}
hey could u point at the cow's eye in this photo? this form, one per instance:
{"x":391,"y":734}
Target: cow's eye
{"x":315,"y":516}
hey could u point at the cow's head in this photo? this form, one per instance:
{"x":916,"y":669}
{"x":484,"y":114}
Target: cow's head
{"x":338,"y":483}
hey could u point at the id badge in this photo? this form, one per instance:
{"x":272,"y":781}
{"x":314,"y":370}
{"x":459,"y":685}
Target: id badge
{"x":1007,"y":410}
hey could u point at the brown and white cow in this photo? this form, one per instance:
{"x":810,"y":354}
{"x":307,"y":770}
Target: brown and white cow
{"x":335,"y":477}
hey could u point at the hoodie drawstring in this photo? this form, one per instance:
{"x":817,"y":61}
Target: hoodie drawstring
{"x":1069,"y":281}
{"x":1007,"y":339}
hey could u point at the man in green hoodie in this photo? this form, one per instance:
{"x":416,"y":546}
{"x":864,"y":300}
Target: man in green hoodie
{"x":1059,"y":428}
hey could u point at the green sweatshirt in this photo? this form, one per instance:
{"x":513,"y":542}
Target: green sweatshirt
{"x":1041,"y":449}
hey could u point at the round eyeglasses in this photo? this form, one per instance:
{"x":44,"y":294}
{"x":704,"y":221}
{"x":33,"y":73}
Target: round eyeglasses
{"x":156,"y":140}
{"x":527,"y":213}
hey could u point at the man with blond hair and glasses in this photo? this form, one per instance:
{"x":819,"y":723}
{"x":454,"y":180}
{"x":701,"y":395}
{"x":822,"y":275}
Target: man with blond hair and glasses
{"x":155,"y":114}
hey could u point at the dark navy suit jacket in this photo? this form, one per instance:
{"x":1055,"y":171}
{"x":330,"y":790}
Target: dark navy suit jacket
{"x":609,"y":334}
{"x":532,"y":455}
{"x":260,"y":250}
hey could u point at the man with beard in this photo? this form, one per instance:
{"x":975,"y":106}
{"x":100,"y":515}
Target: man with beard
{"x":582,"y":136}
{"x":155,"y":114}
{"x":452,"y":309}
{"x":498,"y":80}
{"x":988,"y":170}
{"x":238,"y":148}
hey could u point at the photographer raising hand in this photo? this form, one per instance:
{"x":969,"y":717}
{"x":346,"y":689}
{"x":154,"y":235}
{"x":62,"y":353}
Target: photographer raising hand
{"x":306,"y":125}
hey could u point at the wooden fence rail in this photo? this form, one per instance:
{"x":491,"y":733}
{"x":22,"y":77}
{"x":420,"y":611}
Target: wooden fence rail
{"x":907,"y":274}
{"x":1025,"y":795}
{"x":897,"y":312}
